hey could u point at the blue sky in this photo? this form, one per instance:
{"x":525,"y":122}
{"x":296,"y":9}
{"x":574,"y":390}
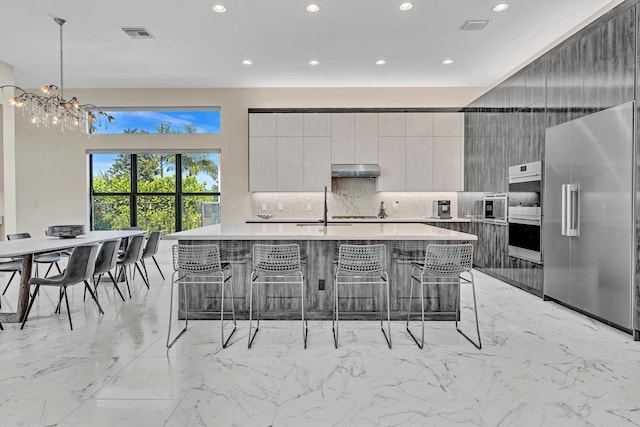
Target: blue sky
{"x":205,"y":121}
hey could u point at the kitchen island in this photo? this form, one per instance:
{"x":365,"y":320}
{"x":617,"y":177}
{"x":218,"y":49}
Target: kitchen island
{"x":319,"y":244}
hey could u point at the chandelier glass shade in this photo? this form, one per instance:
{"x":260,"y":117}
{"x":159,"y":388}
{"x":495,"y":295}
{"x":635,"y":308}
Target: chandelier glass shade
{"x":50,"y":108}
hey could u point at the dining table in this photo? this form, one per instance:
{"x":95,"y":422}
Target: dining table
{"x":27,"y":248}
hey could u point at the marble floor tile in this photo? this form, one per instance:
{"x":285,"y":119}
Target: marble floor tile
{"x":541,"y":365}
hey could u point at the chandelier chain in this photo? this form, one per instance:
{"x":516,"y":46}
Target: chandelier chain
{"x":61,"y":63}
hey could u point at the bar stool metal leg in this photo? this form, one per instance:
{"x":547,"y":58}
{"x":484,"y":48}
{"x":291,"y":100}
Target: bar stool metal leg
{"x":421,"y":343}
{"x":252,"y":337}
{"x":475,"y":311}
{"x":335,"y":321}
{"x":173,"y":283}
{"x":225,"y":342}
{"x":305,"y":327}
{"x":388,"y":338}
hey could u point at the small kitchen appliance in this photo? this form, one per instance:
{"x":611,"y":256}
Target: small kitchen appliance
{"x":441,"y":209}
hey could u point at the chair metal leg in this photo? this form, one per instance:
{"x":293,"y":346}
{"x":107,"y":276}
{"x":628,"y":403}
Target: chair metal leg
{"x":115,"y":285}
{"x":66,"y":300}
{"x":420,"y":344}
{"x":9,"y":282}
{"x":33,"y":298}
{"x":225,"y":342}
{"x":87,"y":287}
{"x":58,"y":307}
{"x":387,"y":337}
{"x":305,"y":327}
{"x":475,"y":310}
{"x":186,"y":315}
{"x":335,"y":321}
{"x":141,"y":274}
{"x":157,"y":265}
{"x":144,"y":267}
{"x":252,"y":337}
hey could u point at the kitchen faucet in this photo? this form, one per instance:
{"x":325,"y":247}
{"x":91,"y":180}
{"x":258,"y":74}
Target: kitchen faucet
{"x":326,"y":210}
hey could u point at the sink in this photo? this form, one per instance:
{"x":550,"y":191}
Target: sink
{"x":331,"y":224}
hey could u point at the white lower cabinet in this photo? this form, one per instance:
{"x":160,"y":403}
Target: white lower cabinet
{"x":289,"y":163}
{"x":419,"y":163}
{"x":262,"y":163}
{"x":392,"y":163}
{"x":317,"y":163}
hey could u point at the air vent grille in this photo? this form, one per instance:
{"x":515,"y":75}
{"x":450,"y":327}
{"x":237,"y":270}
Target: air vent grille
{"x":474,"y":25}
{"x":138,"y":32}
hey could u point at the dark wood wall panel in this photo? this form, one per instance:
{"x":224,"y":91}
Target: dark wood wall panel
{"x":597,"y":68}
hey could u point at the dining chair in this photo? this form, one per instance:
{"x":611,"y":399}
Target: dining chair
{"x":51,"y":258}
{"x":130,"y":259}
{"x":13,"y":266}
{"x":79,"y":269}
{"x":105,"y":263}
{"x":150,"y":251}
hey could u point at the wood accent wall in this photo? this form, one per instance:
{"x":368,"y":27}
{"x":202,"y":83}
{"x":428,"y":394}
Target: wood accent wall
{"x":595,"y":69}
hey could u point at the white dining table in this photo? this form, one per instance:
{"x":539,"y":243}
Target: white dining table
{"x":27,"y":248}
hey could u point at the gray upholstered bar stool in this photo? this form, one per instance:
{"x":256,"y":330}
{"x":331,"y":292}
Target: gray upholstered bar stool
{"x":361,"y":265}
{"x":444,"y":265}
{"x":79,"y":269}
{"x":197,"y":265}
{"x":276,"y":264}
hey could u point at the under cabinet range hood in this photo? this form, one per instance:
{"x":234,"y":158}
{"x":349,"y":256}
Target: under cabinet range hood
{"x":355,"y":171}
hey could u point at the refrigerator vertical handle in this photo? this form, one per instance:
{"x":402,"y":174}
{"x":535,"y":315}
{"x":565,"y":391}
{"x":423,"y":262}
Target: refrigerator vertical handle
{"x":573,"y":216}
{"x":563,"y":215}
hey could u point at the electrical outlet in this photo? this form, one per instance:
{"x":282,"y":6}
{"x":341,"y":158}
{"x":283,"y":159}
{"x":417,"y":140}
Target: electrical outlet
{"x":321,"y":284}
{"x":264,"y":206}
{"x":309,"y":207}
{"x":280,"y":206}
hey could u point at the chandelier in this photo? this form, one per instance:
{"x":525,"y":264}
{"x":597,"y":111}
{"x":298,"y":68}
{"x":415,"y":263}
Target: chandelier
{"x":51,"y":108}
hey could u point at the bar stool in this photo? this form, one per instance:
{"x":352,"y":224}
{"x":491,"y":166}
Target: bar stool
{"x":198,"y":264}
{"x":276,"y":264}
{"x":357,"y":265}
{"x":444,"y":265}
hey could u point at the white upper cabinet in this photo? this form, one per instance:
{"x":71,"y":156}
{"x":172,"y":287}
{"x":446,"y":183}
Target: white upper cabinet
{"x":448,"y":163}
{"x":447,"y":124}
{"x":366,"y":138}
{"x":419,"y":163}
{"x":419,"y":124}
{"x":262,"y":124}
{"x":317,"y":124}
{"x":262,"y":163}
{"x":289,"y":173}
{"x":317,"y":163}
{"x":392,"y":163}
{"x":343,"y":138}
{"x":391,"y":124}
{"x":289,"y":124}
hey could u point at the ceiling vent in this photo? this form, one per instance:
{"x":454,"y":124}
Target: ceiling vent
{"x":474,"y":25}
{"x":138,"y":33}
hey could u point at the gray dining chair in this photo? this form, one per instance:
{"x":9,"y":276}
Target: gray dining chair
{"x":79,"y":269}
{"x":51,"y":258}
{"x":13,"y":266}
{"x":105,"y":263}
{"x":150,"y":251}
{"x":130,"y":259}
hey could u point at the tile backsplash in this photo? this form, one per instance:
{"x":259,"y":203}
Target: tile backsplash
{"x":350,"y":196}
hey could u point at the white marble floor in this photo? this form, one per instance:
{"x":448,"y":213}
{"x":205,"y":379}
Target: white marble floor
{"x":541,"y":365}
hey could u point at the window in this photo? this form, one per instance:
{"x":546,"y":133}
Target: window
{"x":159,"y":120}
{"x":154,"y":197}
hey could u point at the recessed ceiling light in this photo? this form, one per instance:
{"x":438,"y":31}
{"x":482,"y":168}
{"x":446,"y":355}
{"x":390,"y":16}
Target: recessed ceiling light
{"x":406,"y":5}
{"x":381,"y":62}
{"x":500,"y":7}
{"x":220,"y":8}
{"x":313,"y":8}
{"x":247,"y":62}
{"x":314,"y":62}
{"x":447,"y":61}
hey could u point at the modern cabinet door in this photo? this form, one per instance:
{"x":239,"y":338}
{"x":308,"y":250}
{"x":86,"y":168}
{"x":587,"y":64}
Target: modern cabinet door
{"x":317,"y":124}
{"x":419,"y":124}
{"x":447,"y":124}
{"x":289,"y":124}
{"x":289,"y":174}
{"x":391,"y":124}
{"x":262,"y":163}
{"x":317,"y":163}
{"x":366,"y":138}
{"x":447,"y":163}
{"x":419,"y":163}
{"x":262,"y":124}
{"x":342,"y":138}
{"x":392,"y":163}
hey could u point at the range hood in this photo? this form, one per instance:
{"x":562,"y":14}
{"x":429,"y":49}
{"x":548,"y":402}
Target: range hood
{"x":355,"y":171}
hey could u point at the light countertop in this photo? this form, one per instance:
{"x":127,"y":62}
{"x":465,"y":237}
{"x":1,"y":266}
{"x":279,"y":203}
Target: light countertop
{"x":416,"y":220}
{"x":354,"y":231}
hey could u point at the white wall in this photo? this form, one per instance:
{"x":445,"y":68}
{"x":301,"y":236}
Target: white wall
{"x":52,"y":167}
{"x":7,"y":156}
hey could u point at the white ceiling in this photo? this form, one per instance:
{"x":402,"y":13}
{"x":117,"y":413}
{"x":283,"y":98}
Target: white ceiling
{"x":195,"y":47}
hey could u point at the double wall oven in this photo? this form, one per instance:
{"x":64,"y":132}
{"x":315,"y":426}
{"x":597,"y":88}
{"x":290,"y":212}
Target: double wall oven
{"x":525,"y":212}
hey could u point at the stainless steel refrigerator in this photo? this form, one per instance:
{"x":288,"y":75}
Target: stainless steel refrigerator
{"x":588,"y":214}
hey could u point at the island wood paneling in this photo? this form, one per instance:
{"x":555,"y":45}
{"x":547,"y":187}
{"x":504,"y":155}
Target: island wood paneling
{"x":596,"y":68}
{"x":356,"y":301}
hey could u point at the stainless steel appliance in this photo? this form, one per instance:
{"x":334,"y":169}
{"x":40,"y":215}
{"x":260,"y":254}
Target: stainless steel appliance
{"x":441,"y":209}
{"x":495,"y":208}
{"x":588,"y":229}
{"x":524,"y":213}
